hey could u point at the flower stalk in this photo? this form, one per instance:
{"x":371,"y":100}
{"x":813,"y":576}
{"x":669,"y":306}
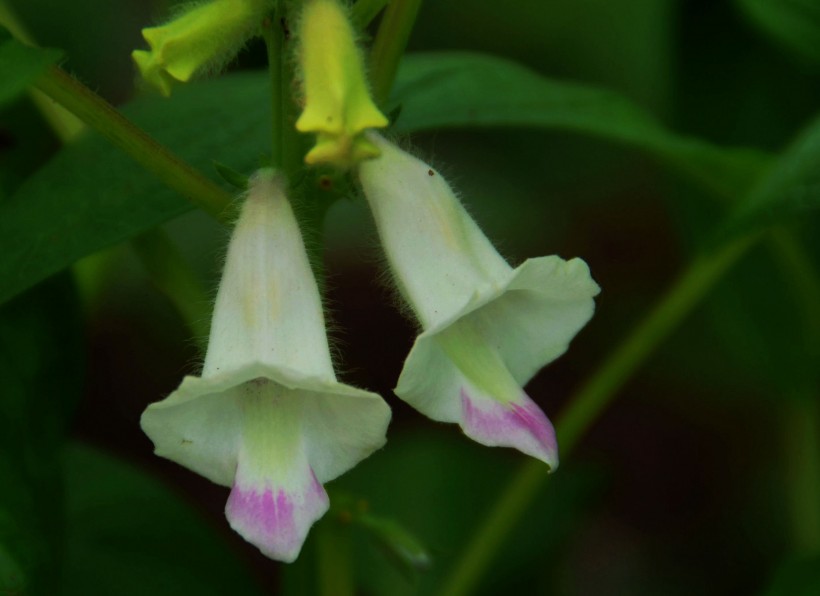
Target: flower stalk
{"x":388,"y":47}
{"x":101,"y":116}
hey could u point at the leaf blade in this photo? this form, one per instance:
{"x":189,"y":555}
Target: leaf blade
{"x":21,"y":65}
{"x":460,"y":89}
{"x":90,"y":196}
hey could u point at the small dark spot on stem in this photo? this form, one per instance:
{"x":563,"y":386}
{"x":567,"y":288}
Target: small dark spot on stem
{"x":283,"y":22}
{"x":186,"y":441}
{"x":325,"y":182}
{"x":431,"y":173}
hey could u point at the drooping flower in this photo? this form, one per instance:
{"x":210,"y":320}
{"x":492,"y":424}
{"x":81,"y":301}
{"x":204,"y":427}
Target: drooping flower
{"x":267,"y":416}
{"x":205,"y":36}
{"x":338,"y":107}
{"x":487,"y":328}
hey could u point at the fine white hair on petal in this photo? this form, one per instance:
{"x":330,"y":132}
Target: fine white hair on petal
{"x":461,"y":289}
{"x":268,"y":417}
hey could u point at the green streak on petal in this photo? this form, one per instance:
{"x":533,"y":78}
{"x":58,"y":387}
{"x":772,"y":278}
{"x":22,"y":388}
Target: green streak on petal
{"x":271,"y":430}
{"x":478,"y":361}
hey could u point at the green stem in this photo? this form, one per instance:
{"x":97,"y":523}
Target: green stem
{"x":365,"y":11}
{"x":803,"y":279}
{"x":388,"y":47}
{"x":801,"y":436}
{"x":172,"y":274}
{"x":158,"y":159}
{"x":801,"y":418}
{"x":333,"y":550}
{"x":586,"y":406}
{"x":274,"y":40}
{"x":285,"y":145}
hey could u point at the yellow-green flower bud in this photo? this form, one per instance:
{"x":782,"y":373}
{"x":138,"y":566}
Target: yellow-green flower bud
{"x":204,"y":37}
{"x":338,"y":107}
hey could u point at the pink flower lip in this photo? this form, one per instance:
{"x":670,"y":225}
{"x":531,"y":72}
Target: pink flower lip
{"x":521,"y":425}
{"x":274,"y":520}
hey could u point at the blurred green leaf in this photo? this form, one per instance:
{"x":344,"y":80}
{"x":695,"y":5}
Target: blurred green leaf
{"x":91,"y":196}
{"x":20,"y":65}
{"x":128,"y":534}
{"x":399,"y":544}
{"x":796,"y":576}
{"x":791,"y":187}
{"x":457,"y":89}
{"x":231,"y":176}
{"x":795,"y":24}
{"x":40,"y":372}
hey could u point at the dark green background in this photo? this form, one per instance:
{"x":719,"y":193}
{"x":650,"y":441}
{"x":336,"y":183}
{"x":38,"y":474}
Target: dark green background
{"x":687,"y":485}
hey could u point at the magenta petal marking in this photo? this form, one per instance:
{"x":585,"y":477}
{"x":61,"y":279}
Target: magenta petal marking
{"x":274,"y":520}
{"x":521,"y":425}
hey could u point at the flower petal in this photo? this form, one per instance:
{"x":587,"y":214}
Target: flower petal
{"x":268,"y":308}
{"x":275,"y":497}
{"x":527,"y":321}
{"x":274,"y":519}
{"x":439,"y":256}
{"x":198,"y":426}
{"x":520,"y":424}
{"x":487,"y":328}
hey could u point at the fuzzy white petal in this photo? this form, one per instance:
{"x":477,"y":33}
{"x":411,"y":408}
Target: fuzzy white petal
{"x":487,"y":328}
{"x":267,"y":308}
{"x":268,"y":417}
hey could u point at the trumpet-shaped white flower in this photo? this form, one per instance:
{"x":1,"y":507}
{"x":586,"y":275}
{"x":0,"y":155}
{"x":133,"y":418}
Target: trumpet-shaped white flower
{"x":487,"y":328}
{"x":267,"y":416}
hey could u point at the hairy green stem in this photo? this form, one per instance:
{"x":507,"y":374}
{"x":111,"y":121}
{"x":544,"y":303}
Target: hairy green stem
{"x":285,"y":146}
{"x":274,"y":40}
{"x":158,"y":159}
{"x":165,"y":265}
{"x":388,"y":47}
{"x":585,"y":408}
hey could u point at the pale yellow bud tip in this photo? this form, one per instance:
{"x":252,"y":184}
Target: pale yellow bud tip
{"x":338,"y":106}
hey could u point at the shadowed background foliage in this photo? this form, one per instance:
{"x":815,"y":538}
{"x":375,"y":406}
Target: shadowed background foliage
{"x":701,"y":478}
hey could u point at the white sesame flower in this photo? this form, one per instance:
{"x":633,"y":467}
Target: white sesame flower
{"x":487,"y":328}
{"x":267,"y":416}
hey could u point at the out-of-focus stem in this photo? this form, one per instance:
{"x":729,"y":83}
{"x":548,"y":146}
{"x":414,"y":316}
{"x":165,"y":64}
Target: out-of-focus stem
{"x":158,"y":159}
{"x":365,"y":11}
{"x":801,"y":435}
{"x":388,"y":47}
